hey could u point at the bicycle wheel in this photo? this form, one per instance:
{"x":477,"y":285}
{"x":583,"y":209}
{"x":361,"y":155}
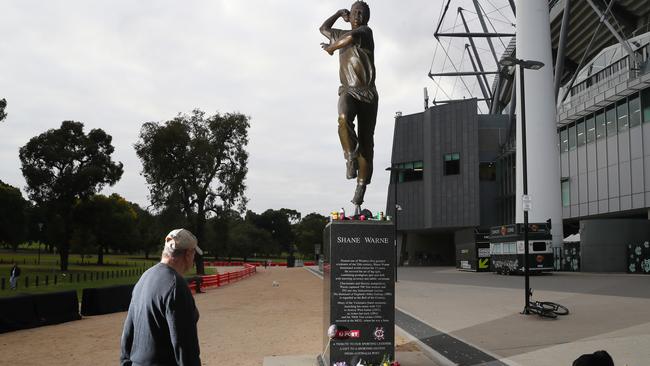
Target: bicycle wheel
{"x":539,"y":310}
{"x":555,"y":307}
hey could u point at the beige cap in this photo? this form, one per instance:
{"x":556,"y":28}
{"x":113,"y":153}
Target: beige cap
{"x":182,"y":239}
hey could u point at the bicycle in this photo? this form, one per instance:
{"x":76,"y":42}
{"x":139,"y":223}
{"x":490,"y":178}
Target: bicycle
{"x":546,"y":309}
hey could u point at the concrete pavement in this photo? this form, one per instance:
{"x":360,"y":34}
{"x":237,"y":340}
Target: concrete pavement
{"x":608,"y":311}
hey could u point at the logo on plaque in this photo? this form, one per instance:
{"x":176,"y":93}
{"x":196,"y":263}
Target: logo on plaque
{"x":379,"y":334}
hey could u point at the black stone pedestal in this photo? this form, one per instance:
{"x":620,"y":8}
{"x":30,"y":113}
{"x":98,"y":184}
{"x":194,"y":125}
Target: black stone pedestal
{"x":359,"y":292}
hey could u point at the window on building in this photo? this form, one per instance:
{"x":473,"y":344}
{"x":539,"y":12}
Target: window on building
{"x":572,"y":137}
{"x":600,"y":124}
{"x":610,"y":120}
{"x":582,"y":138}
{"x":564,"y":140}
{"x":645,"y":105}
{"x":566,"y":193}
{"x":621,"y":111}
{"x":635,"y":110}
{"x":487,"y":171}
{"x":591,"y":128}
{"x":413,"y":174}
{"x":452,"y":164}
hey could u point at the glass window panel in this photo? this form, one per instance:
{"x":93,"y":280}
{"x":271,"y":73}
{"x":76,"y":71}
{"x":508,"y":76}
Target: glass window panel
{"x":564,"y":140}
{"x":418,"y":165}
{"x":452,"y":167}
{"x":455,"y":156}
{"x":600,"y":125}
{"x":645,"y":105}
{"x":621,"y":111}
{"x":591,"y":128}
{"x":572,"y":137}
{"x":610,"y":120}
{"x":582,"y":138}
{"x":566,"y":194}
{"x":635,"y":110}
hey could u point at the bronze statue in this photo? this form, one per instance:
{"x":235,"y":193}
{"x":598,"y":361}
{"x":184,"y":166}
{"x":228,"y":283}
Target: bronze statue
{"x":357,"y":94}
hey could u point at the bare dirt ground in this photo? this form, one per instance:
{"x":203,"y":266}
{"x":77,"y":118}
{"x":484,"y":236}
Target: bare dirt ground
{"x":240,"y":324}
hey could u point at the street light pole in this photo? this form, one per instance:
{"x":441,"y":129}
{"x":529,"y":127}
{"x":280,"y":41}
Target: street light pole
{"x":395,"y":171}
{"x":525,"y":179}
{"x":532,"y":65}
{"x":395,"y":218}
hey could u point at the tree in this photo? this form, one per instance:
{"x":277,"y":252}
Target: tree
{"x":219,"y":233}
{"x":276,"y":223}
{"x":309,"y":232}
{"x":197,"y":162}
{"x":149,"y":231}
{"x":3,"y":105}
{"x":13,"y":223}
{"x":248,"y":239}
{"x":111,"y":221}
{"x":64,"y":165}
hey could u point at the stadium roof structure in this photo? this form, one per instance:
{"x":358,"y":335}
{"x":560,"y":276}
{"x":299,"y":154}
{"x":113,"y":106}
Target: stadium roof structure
{"x":592,"y":25}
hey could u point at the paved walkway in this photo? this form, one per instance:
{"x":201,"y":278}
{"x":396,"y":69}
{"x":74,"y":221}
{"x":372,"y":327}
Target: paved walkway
{"x":240,"y":325}
{"x":462,"y":316}
{"x":610,"y":312}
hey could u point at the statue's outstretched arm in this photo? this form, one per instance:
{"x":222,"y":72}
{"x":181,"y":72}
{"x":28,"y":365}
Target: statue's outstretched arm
{"x":344,"y":41}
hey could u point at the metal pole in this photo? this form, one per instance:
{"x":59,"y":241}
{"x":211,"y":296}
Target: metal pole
{"x":485,"y":29}
{"x":478,"y":76}
{"x":476,"y":55}
{"x":396,"y":173}
{"x":561,"y":47}
{"x":513,"y":7}
{"x":525,"y":178}
{"x":633,"y":57}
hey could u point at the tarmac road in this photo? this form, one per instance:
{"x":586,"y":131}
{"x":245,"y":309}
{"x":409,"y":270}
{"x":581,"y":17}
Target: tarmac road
{"x":609,"y":284}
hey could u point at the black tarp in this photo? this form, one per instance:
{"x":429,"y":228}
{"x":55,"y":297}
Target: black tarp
{"x":106,"y":300}
{"x":28,"y":311}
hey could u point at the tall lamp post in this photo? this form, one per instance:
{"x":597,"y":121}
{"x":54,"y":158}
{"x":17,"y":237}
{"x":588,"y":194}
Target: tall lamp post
{"x":531,"y":65}
{"x":396,"y":171}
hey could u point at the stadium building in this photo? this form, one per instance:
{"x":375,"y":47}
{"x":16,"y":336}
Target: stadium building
{"x":454,"y":170}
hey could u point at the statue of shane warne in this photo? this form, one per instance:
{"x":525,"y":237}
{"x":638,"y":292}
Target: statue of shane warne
{"x":357,"y":94}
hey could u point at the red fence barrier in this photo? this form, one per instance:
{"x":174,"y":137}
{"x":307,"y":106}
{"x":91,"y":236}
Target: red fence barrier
{"x":212,"y":281}
{"x":256,"y":264}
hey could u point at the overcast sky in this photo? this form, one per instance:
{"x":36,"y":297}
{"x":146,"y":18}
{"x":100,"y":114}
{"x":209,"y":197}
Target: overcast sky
{"x":117,"y":64}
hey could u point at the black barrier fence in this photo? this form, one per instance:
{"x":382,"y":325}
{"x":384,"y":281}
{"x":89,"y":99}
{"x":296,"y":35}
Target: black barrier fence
{"x":38,"y":281}
{"x":28,"y":311}
{"x":106,"y":300}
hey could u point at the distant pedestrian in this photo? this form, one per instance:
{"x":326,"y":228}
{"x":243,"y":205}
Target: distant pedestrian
{"x":13,"y":276}
{"x":160,"y":328}
{"x":598,"y":358}
{"x":266,"y":263}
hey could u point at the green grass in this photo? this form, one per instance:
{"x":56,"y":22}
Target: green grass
{"x":30,"y":268}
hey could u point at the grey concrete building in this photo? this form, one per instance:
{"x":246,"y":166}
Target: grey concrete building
{"x":453,"y":186}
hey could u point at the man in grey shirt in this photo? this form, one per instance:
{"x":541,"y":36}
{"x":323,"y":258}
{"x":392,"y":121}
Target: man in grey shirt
{"x":160,"y":328}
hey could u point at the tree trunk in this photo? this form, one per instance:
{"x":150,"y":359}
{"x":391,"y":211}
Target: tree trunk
{"x":100,"y":256}
{"x":200,"y":229}
{"x":63,"y":254}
